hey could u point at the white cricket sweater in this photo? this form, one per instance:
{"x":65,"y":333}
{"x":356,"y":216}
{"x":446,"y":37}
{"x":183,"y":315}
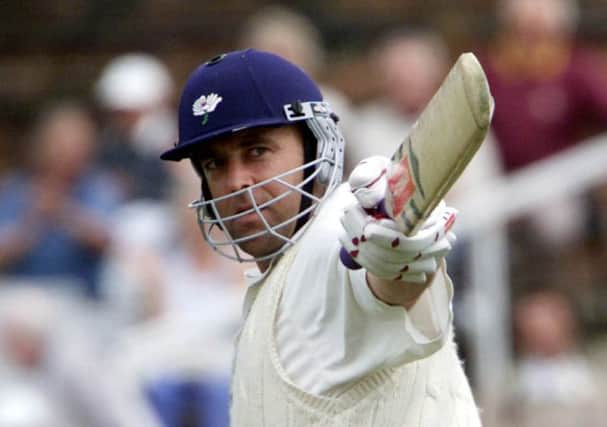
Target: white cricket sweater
{"x":328,"y":319}
{"x":340,"y":348}
{"x":432,"y":391}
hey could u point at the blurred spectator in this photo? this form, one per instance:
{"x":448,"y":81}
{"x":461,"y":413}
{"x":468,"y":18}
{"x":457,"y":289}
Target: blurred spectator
{"x":181,"y":303}
{"x":142,"y":232}
{"x":554,"y":383}
{"x":550,"y":93}
{"x":135,"y":93}
{"x":159,"y":267}
{"x":24,"y":399}
{"x":54,"y":212}
{"x":285,"y":32}
{"x":47,"y":364}
{"x":410,"y":67}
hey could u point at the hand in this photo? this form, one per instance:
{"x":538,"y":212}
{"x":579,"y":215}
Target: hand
{"x":376,"y":243}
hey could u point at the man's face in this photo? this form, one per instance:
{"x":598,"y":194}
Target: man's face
{"x":244,"y":159}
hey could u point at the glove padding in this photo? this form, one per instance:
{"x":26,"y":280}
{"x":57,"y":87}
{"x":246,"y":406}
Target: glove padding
{"x":383,"y":250}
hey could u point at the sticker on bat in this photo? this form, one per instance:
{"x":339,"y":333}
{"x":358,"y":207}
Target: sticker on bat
{"x":404,"y":180}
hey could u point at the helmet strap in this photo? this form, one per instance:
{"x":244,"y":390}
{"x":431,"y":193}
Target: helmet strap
{"x":309,"y":145}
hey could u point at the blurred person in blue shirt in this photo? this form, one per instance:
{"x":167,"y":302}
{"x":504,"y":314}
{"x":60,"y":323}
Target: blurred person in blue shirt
{"x":54,"y":212}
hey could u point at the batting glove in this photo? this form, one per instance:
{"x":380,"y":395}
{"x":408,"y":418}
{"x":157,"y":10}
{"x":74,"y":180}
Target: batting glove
{"x":374,"y":241}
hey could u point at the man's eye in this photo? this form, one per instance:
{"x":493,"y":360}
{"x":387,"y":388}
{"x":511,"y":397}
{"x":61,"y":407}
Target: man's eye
{"x":210,"y":164}
{"x":258,"y":151}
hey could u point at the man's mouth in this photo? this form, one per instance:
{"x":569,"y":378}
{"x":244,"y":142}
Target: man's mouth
{"x":247,"y":214}
{"x":244,"y":210}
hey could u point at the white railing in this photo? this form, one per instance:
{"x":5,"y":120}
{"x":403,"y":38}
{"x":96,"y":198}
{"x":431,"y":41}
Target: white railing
{"x":483,"y":215}
{"x":568,"y":173}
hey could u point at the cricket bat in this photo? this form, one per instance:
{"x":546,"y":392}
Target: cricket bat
{"x":439,"y":146}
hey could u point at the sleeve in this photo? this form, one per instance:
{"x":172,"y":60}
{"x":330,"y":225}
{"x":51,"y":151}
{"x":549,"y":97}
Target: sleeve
{"x":330,"y":328}
{"x":425,"y":326}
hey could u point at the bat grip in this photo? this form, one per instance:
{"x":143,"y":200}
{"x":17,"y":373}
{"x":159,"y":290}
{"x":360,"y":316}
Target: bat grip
{"x":378,"y":212}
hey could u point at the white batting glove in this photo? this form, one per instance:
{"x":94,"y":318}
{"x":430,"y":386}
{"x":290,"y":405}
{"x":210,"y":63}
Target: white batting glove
{"x":368,"y":181}
{"x":376,"y":243}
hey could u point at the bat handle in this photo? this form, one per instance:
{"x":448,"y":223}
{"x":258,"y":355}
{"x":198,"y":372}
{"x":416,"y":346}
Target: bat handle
{"x":347,"y":260}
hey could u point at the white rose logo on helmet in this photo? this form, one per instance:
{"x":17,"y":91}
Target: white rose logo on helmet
{"x":204,"y":105}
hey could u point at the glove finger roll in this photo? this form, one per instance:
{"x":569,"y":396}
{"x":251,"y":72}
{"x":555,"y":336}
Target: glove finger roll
{"x":354,"y":221}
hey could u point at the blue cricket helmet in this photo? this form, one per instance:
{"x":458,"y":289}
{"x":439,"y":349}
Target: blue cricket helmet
{"x":235,"y":91}
{"x":247,"y":89}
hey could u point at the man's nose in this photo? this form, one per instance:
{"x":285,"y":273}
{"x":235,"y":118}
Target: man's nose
{"x":238,"y":175}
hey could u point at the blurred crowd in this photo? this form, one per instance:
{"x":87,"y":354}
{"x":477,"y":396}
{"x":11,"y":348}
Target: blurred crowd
{"x":114,"y":312}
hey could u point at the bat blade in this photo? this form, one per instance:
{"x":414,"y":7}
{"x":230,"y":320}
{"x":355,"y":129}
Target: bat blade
{"x":440,"y":145}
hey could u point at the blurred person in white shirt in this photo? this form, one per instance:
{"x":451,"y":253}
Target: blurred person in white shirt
{"x":176,"y":303}
{"x":554,"y":383}
{"x":49,"y":361}
{"x":410,"y":67}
